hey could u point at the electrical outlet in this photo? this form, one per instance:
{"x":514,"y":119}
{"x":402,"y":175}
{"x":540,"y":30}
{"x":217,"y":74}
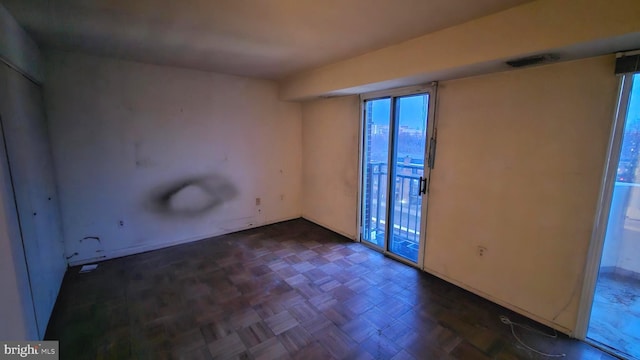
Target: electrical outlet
{"x":257,"y":201}
{"x":481,"y":250}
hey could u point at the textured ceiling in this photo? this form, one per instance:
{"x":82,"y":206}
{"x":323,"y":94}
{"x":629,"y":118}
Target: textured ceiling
{"x":261,"y":38}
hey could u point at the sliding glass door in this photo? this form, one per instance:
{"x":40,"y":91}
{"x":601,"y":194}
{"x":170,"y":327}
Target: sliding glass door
{"x":397,"y":136}
{"x":614,"y":323}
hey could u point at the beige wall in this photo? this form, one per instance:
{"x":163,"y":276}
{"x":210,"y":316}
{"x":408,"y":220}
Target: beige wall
{"x":125,"y":134}
{"x":568,"y":27}
{"x":520,"y":158}
{"x":330,"y":143}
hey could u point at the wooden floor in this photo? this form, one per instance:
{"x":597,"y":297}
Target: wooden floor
{"x":289,"y":290}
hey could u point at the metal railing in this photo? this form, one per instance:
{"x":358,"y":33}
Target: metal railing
{"x":407,"y":203}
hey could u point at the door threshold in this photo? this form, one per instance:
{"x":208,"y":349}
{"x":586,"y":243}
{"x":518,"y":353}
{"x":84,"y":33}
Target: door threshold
{"x":609,"y":350}
{"x":390,"y":255}
{"x":398,"y":258}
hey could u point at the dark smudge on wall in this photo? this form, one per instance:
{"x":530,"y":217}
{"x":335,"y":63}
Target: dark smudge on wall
{"x":190,"y":197}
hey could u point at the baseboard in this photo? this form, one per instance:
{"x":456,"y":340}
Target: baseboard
{"x":321,"y":224}
{"x":114,"y":254}
{"x":150,"y":247}
{"x":502,"y":303}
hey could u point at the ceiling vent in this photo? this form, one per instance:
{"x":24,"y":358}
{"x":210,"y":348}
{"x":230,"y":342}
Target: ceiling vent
{"x":533,"y":60}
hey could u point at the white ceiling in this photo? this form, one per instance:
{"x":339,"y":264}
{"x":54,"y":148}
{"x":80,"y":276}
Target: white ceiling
{"x":261,"y":38}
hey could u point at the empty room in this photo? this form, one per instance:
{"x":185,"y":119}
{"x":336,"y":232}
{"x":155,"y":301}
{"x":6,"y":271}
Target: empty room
{"x":306,"y":179}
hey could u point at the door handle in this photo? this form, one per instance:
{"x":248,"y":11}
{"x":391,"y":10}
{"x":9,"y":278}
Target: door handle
{"x":422,"y":186}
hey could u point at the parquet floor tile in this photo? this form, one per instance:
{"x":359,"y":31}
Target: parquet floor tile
{"x":289,"y":290}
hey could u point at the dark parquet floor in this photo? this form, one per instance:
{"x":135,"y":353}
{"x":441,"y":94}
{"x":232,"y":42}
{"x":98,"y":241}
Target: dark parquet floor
{"x":289,"y":290}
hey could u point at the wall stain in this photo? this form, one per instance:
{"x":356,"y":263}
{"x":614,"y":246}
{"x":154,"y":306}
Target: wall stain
{"x":191,"y":196}
{"x":141,"y":160}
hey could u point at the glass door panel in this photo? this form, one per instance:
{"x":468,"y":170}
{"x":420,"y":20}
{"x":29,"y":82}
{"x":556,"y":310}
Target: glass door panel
{"x":409,"y":183}
{"x":615,"y":312}
{"x":377,"y":122}
{"x":397,"y":136}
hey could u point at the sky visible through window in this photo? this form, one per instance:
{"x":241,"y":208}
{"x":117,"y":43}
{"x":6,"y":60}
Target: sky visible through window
{"x":412,"y":107}
{"x":412,"y":126}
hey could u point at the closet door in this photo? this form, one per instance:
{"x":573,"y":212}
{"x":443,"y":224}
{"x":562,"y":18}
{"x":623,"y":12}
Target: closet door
{"x":32,"y":177}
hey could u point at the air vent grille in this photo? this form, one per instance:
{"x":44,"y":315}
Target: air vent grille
{"x":532,"y":60}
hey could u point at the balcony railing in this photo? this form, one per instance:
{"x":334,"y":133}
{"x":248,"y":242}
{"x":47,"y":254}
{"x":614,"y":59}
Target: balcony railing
{"x":407,"y":205}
